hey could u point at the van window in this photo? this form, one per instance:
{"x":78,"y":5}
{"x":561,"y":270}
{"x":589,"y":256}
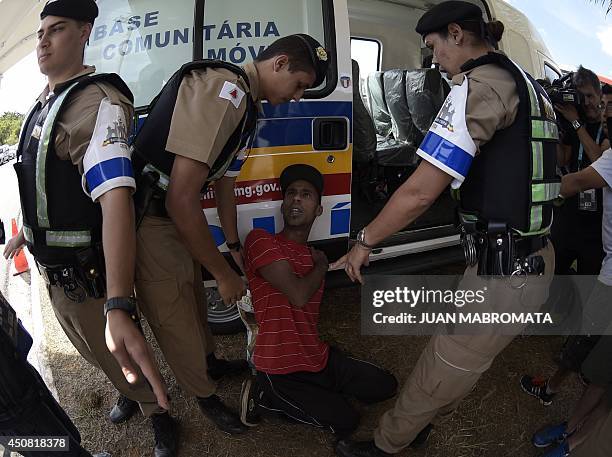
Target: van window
{"x":144,"y":41}
{"x":367,"y":53}
{"x":237,"y":31}
{"x":550,"y":73}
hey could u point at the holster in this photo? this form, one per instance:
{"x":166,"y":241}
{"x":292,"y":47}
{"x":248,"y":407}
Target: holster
{"x":86,"y":274}
{"x":146,"y":190}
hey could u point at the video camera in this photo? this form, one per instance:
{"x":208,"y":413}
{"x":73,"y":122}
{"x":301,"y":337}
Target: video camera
{"x":563,"y":91}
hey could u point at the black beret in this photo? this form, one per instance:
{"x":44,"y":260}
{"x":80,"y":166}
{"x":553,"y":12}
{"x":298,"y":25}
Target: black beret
{"x":445,"y":13}
{"x":318,"y":56}
{"x":81,"y":10}
{"x":300,"y":171}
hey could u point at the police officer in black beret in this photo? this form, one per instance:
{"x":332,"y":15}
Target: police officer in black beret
{"x":494,"y":138}
{"x":76,"y":184}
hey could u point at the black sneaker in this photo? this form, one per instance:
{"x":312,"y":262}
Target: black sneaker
{"x":536,"y":387}
{"x":249,"y":402}
{"x":123,"y":410}
{"x":222,"y":416}
{"x":218,"y":368}
{"x":166,"y":433}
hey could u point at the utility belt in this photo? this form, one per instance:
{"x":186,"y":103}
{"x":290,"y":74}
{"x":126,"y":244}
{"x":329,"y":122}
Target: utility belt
{"x":498,"y":251}
{"x":83,"y":278}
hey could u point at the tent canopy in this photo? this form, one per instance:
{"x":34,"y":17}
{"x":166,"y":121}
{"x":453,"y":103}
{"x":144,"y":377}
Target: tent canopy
{"x":19,"y":20}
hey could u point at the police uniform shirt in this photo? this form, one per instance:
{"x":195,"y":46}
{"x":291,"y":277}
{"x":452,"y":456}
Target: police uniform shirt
{"x":78,"y":121}
{"x":209,"y":107}
{"x":492,"y":101}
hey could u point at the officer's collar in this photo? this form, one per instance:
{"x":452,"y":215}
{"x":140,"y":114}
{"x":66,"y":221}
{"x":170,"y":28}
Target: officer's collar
{"x":59,"y":87}
{"x":251,"y":71}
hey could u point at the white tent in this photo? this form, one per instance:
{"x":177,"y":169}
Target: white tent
{"x":19,"y":20}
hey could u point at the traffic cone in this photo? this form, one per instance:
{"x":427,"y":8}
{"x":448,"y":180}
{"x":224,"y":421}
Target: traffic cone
{"x":21,"y":263}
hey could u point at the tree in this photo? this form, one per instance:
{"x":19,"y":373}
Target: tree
{"x":10,"y":123}
{"x":603,"y":2}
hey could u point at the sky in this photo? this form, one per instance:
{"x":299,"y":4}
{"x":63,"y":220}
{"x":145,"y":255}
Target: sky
{"x":577,"y":32}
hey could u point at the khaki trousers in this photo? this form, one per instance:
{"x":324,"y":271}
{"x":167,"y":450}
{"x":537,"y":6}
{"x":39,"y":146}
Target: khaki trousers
{"x":84,"y":325}
{"x":450,"y":365}
{"x":171,"y":296}
{"x":599,"y":442}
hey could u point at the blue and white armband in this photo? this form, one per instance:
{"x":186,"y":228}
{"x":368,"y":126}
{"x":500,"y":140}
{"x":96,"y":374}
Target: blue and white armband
{"x":448,"y":144}
{"x":107,"y":163}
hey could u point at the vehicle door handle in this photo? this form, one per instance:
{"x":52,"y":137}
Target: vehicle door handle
{"x":330,"y":134}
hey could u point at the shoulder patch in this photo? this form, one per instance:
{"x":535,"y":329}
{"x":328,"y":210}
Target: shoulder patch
{"x":232,"y":92}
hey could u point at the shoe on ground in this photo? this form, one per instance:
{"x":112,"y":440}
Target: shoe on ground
{"x":250,"y":397}
{"x":123,"y":410}
{"x":421,"y":439}
{"x":166,"y":432}
{"x":552,"y":434}
{"x":536,"y":387}
{"x":223,"y":417}
{"x":560,"y":451}
{"x":350,"y":448}
{"x":219,"y":368}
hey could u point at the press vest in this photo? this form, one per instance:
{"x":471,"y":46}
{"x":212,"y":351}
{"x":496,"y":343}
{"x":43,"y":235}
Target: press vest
{"x":58,"y":217}
{"x":149,"y":146}
{"x":513,"y":178}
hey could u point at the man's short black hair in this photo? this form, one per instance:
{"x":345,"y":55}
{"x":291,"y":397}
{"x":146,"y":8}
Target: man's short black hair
{"x":584,"y":76}
{"x":606,"y":89}
{"x":304,"y":53}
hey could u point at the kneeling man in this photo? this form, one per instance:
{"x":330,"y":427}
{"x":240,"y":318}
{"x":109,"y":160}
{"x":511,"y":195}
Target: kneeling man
{"x":299,"y":375}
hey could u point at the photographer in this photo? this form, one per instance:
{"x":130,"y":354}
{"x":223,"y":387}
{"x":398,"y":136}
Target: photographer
{"x":576,"y":231}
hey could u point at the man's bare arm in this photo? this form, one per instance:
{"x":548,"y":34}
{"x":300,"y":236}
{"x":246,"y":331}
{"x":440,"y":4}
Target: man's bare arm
{"x":298,"y":290}
{"x":184,"y":207}
{"x":582,"y":180}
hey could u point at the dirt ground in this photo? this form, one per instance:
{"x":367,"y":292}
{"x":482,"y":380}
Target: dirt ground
{"x":497,"y":419}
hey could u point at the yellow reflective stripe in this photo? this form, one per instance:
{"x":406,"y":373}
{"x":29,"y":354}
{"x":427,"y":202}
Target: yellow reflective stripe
{"x":544,"y":130}
{"x":536,"y":218}
{"x":27,"y":234}
{"x":42,"y":212}
{"x":537,"y":150}
{"x":465,"y":217}
{"x":68,"y":239}
{"x":545,"y":192}
{"x":456,"y":194}
{"x":164,"y":179}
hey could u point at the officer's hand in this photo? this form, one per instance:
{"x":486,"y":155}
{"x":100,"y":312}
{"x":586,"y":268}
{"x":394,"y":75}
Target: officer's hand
{"x":238,"y":257}
{"x":231,"y":287}
{"x":568,"y":111}
{"x":353,"y":261}
{"x":14,"y":245}
{"x":128,"y":345}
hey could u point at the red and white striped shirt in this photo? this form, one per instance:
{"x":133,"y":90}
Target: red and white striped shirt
{"x":288,"y":338}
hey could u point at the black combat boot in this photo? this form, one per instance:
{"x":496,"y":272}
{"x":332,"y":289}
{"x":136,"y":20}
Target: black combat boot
{"x":218,"y":368}
{"x":166,"y":431}
{"x":223,"y":417}
{"x":123,"y":410}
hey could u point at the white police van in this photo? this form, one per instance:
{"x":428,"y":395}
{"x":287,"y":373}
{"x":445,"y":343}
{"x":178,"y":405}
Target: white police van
{"x":360,"y":128}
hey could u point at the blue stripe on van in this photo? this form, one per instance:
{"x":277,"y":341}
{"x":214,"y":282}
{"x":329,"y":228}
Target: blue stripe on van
{"x":278,"y":125}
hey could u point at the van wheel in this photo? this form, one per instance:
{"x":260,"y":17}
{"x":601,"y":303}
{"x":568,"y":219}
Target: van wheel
{"x":222,"y":319}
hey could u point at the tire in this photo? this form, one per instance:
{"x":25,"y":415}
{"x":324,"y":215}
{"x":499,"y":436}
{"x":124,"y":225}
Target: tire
{"x":222,"y":319}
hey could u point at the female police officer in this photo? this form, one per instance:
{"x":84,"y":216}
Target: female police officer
{"x":498,"y":125}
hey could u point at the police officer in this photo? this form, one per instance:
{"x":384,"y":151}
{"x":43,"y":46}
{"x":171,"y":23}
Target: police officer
{"x":495,"y":124}
{"x":76,"y":184}
{"x":198,"y":131}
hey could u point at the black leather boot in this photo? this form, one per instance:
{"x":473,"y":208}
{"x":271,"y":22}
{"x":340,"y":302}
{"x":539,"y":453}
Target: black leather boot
{"x":166,"y":431}
{"x":218,"y":368}
{"x":123,"y":410}
{"x":223,"y":417}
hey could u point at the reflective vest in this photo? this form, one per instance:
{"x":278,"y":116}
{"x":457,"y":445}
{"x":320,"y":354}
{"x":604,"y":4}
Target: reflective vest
{"x":149,"y":146}
{"x":58,"y":217}
{"x":513,"y":179}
